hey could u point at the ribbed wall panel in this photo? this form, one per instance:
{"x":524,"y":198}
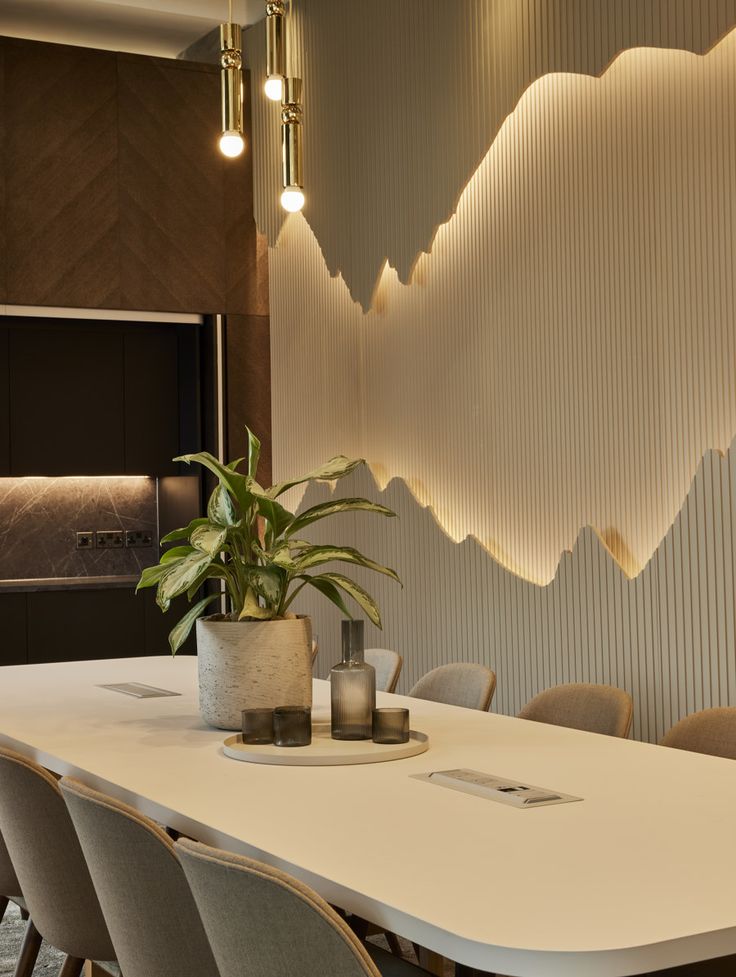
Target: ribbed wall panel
{"x":667,"y":637}
{"x":402,"y":100}
{"x":566,"y":355}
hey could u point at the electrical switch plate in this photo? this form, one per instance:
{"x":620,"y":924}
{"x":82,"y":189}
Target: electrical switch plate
{"x":109,"y":539}
{"x":85,"y":540}
{"x":138,"y":537}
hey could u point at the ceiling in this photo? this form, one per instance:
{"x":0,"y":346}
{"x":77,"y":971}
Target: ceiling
{"x":158,"y":27}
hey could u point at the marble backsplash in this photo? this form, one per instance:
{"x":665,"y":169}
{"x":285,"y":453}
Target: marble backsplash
{"x":40,"y":519}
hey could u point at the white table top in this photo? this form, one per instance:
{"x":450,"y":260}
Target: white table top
{"x":638,"y":876}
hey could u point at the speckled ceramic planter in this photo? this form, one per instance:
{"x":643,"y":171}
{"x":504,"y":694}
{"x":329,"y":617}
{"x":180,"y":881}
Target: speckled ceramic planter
{"x":249,"y":664}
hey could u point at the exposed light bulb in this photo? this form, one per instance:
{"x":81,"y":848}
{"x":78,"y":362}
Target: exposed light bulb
{"x":292,"y":199}
{"x":232,"y":143}
{"x":274,"y":87}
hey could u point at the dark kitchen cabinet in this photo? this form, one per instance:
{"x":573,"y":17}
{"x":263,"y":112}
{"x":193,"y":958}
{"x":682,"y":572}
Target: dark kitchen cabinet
{"x":67,"y":401}
{"x":12,"y":629}
{"x":151,"y":381}
{"x":83,"y":625}
{"x":96,"y":398}
{"x":4,"y":405}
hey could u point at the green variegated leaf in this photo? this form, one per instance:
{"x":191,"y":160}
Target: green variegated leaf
{"x":335,"y":468}
{"x":359,"y":595}
{"x":330,"y":591}
{"x":284,"y":559}
{"x":220,"y":509}
{"x":332,"y":508}
{"x":175,"y":553}
{"x":150,"y":576}
{"x":252,"y":608}
{"x":181,"y":575}
{"x":317,"y":555}
{"x":273,"y":512}
{"x":214,"y":570}
{"x":267,"y":582}
{"x":254,"y":453}
{"x":185,"y":532}
{"x":209,"y":539}
{"x":180,"y":633}
{"x":234,"y":481}
{"x":232,"y":465}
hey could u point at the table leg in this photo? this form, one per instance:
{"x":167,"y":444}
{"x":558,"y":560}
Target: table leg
{"x":431,"y":961}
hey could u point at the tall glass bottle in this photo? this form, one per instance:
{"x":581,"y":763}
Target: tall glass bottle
{"x":353,"y":688}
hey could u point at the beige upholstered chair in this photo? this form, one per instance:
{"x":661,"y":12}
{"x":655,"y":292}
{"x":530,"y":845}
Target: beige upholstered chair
{"x":594,"y":708}
{"x":145,"y":897}
{"x":263,"y":922}
{"x":710,"y":731}
{"x":387,"y":664}
{"x":50,"y":865}
{"x":10,"y":892}
{"x":458,"y":684}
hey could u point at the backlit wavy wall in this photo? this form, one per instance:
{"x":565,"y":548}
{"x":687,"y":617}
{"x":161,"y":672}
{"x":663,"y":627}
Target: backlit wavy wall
{"x":564,"y":356}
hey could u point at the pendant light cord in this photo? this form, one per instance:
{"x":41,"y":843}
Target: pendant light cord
{"x":229,"y":11}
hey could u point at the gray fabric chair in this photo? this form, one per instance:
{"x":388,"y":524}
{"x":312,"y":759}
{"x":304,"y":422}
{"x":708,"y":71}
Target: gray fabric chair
{"x":264,"y":923}
{"x":458,"y":684}
{"x":10,"y":892}
{"x":50,"y":866}
{"x":387,"y":664}
{"x":579,"y":705}
{"x":145,"y":898}
{"x":711,"y":731}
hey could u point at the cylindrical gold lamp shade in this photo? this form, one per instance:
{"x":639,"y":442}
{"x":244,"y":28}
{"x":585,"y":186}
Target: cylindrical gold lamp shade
{"x":291,"y":133}
{"x":232,"y":100}
{"x":231,"y":62}
{"x":275,"y":50}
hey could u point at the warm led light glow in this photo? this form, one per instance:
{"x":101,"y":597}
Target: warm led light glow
{"x":232,"y":144}
{"x":292,"y":199}
{"x":76,"y":478}
{"x":274,"y":88}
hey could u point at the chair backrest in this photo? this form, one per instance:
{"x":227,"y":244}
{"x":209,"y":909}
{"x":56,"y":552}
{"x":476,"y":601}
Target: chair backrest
{"x":579,"y":705}
{"x":263,"y":922}
{"x":9,"y":884}
{"x":48,"y":860}
{"x":458,"y":684}
{"x":387,"y":664}
{"x":710,"y":731}
{"x":145,"y":897}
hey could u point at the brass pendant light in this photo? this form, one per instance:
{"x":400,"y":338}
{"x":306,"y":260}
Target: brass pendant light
{"x":275,"y":50}
{"x":232,"y":142}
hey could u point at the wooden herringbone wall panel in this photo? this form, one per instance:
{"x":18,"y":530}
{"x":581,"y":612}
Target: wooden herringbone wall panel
{"x":171,"y":186}
{"x":248,"y":351}
{"x":3,"y":247}
{"x":59,"y":162}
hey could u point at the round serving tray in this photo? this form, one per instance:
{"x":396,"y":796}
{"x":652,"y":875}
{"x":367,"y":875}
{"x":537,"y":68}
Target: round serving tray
{"x":324,"y":751}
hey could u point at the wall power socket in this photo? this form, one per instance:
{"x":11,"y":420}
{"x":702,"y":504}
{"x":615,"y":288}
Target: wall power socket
{"x":109,"y":539}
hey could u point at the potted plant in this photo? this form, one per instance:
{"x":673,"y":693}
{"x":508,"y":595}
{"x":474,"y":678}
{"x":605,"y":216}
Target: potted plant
{"x":259,"y":653}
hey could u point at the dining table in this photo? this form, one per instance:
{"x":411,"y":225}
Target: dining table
{"x":635,"y":874}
